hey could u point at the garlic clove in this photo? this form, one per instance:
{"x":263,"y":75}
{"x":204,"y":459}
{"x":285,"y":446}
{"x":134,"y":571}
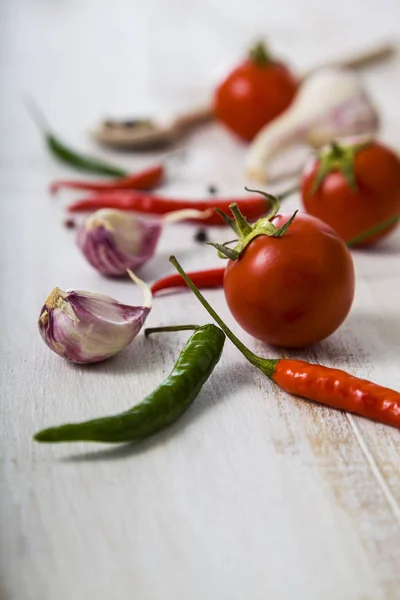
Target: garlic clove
{"x":115,"y":240}
{"x":85,"y":327}
{"x":332,"y":103}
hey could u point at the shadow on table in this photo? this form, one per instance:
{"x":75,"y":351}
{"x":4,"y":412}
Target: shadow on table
{"x":221,"y":380}
{"x":141,"y":354}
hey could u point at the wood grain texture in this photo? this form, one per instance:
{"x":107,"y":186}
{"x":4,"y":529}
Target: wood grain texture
{"x":252,"y":494}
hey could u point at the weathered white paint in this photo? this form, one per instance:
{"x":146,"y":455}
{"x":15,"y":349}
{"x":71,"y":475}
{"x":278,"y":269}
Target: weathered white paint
{"x":252,"y":494}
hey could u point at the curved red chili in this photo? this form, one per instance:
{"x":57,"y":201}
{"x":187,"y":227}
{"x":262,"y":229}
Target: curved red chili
{"x":251,"y":207}
{"x":210,"y":278}
{"x":147,"y":179}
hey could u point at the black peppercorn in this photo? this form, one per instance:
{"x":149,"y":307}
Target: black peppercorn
{"x":201,"y":236}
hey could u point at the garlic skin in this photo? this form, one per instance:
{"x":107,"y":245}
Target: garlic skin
{"x":332,"y":103}
{"x":116,"y":240}
{"x":85,"y":327}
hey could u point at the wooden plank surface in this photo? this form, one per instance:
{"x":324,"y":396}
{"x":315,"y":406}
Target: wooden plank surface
{"x":252,"y":494}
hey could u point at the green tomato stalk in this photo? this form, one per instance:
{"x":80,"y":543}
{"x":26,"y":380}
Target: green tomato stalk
{"x":247,"y":232}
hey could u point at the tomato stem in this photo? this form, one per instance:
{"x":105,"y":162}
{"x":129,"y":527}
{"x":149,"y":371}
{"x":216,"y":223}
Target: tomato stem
{"x":247,"y":232}
{"x":224,"y":251}
{"x":336,"y":150}
{"x":259,"y":55}
{"x":228,"y":220}
{"x":282,"y":230}
{"x":242,"y":226}
{"x":266,"y":365}
{"x":338,"y":157}
{"x":274,"y":200}
{"x":286,"y":193}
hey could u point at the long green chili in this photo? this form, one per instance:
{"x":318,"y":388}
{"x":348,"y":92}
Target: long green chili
{"x":68,"y":155}
{"x":194,"y":366}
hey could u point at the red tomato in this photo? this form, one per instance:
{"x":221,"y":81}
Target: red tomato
{"x":253,"y":94}
{"x":294,"y":290}
{"x":376,"y":171}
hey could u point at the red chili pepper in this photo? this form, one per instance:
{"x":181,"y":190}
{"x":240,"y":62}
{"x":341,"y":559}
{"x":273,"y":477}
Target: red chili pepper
{"x":211,"y":278}
{"x":251,"y":207}
{"x":147,"y":179}
{"x":332,"y":387}
{"x":338,"y":389}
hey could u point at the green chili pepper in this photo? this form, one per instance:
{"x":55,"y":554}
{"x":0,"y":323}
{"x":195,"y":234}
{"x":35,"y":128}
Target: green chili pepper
{"x":163,"y":406}
{"x":68,"y":155}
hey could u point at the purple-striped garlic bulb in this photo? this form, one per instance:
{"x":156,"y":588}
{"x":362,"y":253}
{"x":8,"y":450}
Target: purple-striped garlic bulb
{"x":116,"y":240}
{"x":85,"y":327}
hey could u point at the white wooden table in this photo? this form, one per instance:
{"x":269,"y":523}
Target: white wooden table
{"x":252,"y":494}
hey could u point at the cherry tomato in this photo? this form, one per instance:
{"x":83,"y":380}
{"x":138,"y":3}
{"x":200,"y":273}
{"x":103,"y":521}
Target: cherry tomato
{"x":359,"y":189}
{"x":294,"y":290}
{"x":253,"y":94}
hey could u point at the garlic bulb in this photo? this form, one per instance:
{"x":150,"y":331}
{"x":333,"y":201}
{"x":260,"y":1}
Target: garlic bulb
{"x":332,"y":103}
{"x":85,"y":327}
{"x":116,"y":240}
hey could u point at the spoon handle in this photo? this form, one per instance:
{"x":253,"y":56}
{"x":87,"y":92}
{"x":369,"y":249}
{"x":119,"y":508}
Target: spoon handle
{"x":193,"y":118}
{"x":360,"y":59}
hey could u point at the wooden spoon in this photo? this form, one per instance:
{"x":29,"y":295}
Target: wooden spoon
{"x":142,"y":134}
{"x":148,"y":134}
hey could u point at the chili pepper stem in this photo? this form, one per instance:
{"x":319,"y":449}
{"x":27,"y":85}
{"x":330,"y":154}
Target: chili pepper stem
{"x":36,"y":114}
{"x":63,"y":152}
{"x":289,"y":192}
{"x":149,"y":330}
{"x":373,"y":231}
{"x":265,"y":365}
